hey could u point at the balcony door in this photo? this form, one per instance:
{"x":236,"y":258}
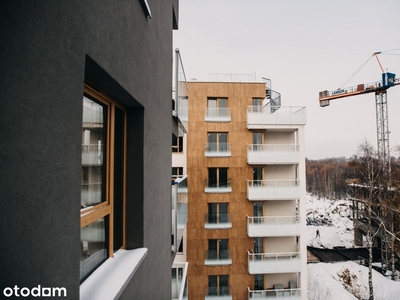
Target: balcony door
{"x":257,"y":211}
{"x":257,"y":141}
{"x":218,"y":249}
{"x":218,"y":285}
{"x":257,"y":175}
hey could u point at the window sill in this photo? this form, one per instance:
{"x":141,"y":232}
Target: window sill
{"x":111,"y":278}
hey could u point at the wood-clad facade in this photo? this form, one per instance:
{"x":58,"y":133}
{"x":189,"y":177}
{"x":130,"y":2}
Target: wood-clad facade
{"x":218,"y":240}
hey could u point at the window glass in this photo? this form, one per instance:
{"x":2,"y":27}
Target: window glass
{"x":93,"y":153}
{"x":93,"y":246}
{"x":223,"y":177}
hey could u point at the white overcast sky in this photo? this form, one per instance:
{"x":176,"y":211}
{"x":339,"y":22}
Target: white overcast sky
{"x":304,"y":47}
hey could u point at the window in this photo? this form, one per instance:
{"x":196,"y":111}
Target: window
{"x":217,"y":110}
{"x":257,"y":104}
{"x":217,"y":141}
{"x":218,"y":249}
{"x":102,"y":180}
{"x":217,"y":177}
{"x":177,"y":144}
{"x":259,"y":281}
{"x":217,"y":213}
{"x":257,"y":175}
{"x":177,"y":172}
{"x":218,"y":285}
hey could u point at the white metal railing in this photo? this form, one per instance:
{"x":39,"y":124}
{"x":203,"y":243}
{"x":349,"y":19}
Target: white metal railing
{"x":273,"y":226}
{"x":282,"y":294}
{"x":219,"y":114}
{"x":270,"y":115}
{"x":267,"y":263}
{"x":273,"y":153}
{"x":273,"y":189}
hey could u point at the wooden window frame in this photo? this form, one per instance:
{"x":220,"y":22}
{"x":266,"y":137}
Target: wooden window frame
{"x":106,"y":208}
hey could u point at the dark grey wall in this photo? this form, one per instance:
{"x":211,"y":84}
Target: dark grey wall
{"x":47,"y":50}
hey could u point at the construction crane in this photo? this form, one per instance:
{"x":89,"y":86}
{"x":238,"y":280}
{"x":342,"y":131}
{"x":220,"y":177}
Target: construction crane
{"x":382,"y":124}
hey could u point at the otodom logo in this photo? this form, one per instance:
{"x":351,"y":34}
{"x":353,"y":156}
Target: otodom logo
{"x":37,"y":291}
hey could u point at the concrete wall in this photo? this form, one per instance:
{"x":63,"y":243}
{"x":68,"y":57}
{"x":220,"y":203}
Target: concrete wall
{"x":48,"y":50}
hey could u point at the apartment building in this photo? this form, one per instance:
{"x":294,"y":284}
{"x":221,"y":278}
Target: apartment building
{"x":246,"y":234}
{"x":85,"y":148}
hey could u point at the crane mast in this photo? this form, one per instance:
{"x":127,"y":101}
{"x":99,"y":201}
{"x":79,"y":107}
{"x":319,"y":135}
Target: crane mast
{"x":382,"y":127}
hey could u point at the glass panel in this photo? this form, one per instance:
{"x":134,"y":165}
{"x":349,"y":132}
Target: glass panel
{"x":223,"y":177}
{"x":222,"y":107}
{"x":212,"y":177}
{"x":258,"y":247}
{"x":257,"y":139}
{"x":258,"y":211}
{"x":212,"y":107}
{"x":223,"y":249}
{"x":212,"y":285}
{"x":258,"y":281}
{"x":212,"y":141}
{"x":212,"y":213}
{"x":257,"y":103}
{"x":257,"y":175}
{"x":223,"y":284}
{"x":223,"y":212}
{"x":93,"y":153}
{"x":93,"y":247}
{"x":223,"y":141}
{"x":212,"y":249}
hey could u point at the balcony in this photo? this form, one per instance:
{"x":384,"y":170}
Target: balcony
{"x":217,"y":221}
{"x":273,"y":154}
{"x":273,"y":226}
{"x":281,"y":294}
{"x":218,"y":293}
{"x":217,"y":257}
{"x":218,"y":187}
{"x":217,"y":150}
{"x":272,"y":116}
{"x":179,"y":282}
{"x":267,"y":263}
{"x":179,"y":211}
{"x":220,"y":114}
{"x":259,"y":190}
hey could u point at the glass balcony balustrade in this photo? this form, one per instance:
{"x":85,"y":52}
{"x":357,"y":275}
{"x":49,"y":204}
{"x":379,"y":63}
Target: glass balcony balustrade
{"x":217,"y":257}
{"x":259,"y":154}
{"x":217,"y":150}
{"x":259,"y":190}
{"x":218,"y":293}
{"x":268,"y":263}
{"x":267,"y":116}
{"x":217,"y":114}
{"x":217,"y":221}
{"x":223,"y":186}
{"x":273,"y":226}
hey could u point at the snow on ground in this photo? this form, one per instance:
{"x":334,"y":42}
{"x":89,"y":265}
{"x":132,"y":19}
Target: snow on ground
{"x":348,"y":280}
{"x":341,"y":280}
{"x":332,"y":219}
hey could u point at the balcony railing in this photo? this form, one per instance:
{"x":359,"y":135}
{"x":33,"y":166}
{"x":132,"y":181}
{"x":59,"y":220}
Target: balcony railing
{"x":217,"y":257}
{"x":273,"y":226}
{"x":267,"y":263}
{"x":281,"y":294}
{"x":217,"y":149}
{"x":220,"y":114}
{"x":258,"y":117}
{"x":218,"y":187}
{"x":217,"y":221}
{"x":259,"y":190}
{"x":273,"y":154}
{"x":218,"y":293}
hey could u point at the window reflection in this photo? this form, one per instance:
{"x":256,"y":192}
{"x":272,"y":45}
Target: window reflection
{"x":93,"y":137}
{"x":93,"y":246}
